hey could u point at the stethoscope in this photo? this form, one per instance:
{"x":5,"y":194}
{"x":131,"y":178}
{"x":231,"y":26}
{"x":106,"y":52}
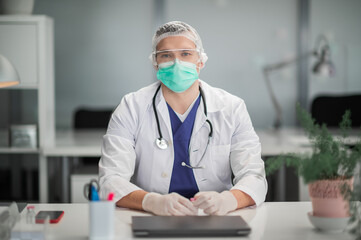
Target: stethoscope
{"x":163,"y":144}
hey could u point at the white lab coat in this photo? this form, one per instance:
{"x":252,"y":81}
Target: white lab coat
{"x":131,"y":160}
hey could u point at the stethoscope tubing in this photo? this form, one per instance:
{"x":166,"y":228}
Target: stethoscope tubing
{"x":157,"y":118}
{"x":163,"y":144}
{"x":156,"y":114}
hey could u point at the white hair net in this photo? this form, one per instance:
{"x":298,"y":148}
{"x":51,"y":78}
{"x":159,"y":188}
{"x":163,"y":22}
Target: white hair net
{"x":177,"y":28}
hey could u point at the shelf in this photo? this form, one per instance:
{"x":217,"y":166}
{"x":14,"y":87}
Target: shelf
{"x":28,"y":42}
{"x":13,"y":150}
{"x":23,"y":86}
{"x":25,"y":19}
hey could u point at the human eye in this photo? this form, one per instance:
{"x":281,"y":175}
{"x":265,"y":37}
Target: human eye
{"x":187,"y":53}
{"x":165,"y":55}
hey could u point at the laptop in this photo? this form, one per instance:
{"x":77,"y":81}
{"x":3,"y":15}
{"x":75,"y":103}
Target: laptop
{"x":189,"y":226}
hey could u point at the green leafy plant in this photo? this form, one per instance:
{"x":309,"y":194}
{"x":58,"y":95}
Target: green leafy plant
{"x":355,"y":209}
{"x":331,"y":159}
{"x":354,"y":198}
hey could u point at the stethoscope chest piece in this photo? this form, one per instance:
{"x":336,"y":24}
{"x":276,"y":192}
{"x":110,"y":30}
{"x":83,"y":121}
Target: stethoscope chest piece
{"x":161,"y":143}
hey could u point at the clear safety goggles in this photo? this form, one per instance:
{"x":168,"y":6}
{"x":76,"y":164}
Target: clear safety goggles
{"x":185,"y":55}
{"x":171,"y":63}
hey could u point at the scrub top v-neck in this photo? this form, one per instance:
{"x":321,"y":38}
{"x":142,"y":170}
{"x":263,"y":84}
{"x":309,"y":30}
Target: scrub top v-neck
{"x":183,"y":181}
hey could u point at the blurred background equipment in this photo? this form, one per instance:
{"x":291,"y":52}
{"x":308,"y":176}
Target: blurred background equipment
{"x":23,"y":136}
{"x":323,"y":67}
{"x":8,"y":73}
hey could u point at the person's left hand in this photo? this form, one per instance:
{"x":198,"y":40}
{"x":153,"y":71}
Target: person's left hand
{"x":215,"y":203}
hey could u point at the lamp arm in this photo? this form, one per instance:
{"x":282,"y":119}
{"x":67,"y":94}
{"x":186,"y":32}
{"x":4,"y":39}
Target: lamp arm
{"x":278,"y":118}
{"x":321,"y":42}
{"x":272,"y":67}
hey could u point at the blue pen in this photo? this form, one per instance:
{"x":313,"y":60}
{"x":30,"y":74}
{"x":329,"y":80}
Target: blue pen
{"x":94,"y":196}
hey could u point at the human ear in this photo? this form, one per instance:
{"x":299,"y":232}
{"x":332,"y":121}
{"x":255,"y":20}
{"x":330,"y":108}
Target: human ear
{"x":200,"y":65}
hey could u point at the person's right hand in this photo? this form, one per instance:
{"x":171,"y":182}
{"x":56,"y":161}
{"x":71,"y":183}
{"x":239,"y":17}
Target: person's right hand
{"x":169,"y":204}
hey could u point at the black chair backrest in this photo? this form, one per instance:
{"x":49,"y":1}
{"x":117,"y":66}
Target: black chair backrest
{"x":330,"y":109}
{"x":92,"y":118}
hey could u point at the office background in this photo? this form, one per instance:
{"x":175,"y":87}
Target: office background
{"x":102,"y":49}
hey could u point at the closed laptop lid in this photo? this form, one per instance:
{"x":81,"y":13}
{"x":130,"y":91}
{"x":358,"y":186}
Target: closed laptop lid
{"x":191,"y":226}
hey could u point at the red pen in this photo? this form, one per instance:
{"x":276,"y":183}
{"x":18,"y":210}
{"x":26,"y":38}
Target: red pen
{"x":110,"y":196}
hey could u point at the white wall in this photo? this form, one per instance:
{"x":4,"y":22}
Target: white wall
{"x":101,"y":49}
{"x":239,"y":38}
{"x":340,"y":22}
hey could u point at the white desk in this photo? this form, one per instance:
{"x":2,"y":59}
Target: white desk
{"x":88,"y":144}
{"x":278,"y":220}
{"x":80,"y":143}
{"x":276,"y":142}
{"x":68,"y":143}
{"x":286,"y":140}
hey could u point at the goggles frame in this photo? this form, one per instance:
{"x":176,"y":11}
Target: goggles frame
{"x":174,"y":50}
{"x":177,"y":50}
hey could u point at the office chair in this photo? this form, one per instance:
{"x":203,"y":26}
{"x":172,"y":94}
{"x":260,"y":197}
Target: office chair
{"x":87,"y":118}
{"x":329,"y":109}
{"x":91,"y":118}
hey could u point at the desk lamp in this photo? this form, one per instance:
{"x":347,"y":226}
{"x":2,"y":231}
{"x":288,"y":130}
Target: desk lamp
{"x":323,"y":67}
{"x":8,"y":74}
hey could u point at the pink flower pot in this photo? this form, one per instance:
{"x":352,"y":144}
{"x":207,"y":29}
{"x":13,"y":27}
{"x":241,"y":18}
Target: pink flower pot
{"x":327,"y":199}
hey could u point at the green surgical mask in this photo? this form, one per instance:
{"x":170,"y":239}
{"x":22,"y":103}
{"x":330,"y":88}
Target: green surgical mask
{"x":177,"y":75}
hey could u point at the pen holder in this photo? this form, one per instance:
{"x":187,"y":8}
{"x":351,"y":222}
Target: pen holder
{"x":101,"y":223}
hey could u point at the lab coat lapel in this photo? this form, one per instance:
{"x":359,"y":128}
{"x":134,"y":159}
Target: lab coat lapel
{"x":162,"y":110}
{"x":200,"y":119}
{"x":197,"y":138}
{"x":213,"y":103}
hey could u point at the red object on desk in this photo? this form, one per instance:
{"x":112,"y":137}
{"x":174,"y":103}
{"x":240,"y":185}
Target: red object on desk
{"x":110,"y":196}
{"x":54,"y":216}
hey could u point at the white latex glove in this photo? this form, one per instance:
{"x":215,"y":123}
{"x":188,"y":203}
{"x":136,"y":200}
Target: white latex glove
{"x":215,"y":203}
{"x":169,"y":204}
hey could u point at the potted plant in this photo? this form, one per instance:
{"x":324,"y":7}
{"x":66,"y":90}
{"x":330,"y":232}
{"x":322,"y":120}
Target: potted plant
{"x":328,"y":169}
{"x":354,"y":198}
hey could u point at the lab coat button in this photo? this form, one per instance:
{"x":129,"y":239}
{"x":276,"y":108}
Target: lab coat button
{"x":164,"y":175}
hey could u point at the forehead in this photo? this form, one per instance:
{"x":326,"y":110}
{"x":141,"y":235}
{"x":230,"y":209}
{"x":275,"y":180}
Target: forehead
{"x":175,"y":42}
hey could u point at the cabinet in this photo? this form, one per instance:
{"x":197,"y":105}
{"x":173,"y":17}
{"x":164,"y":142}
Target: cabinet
{"x":27,"y":41}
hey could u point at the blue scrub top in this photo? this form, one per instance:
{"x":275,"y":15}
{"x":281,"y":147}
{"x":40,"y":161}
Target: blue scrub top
{"x":183,"y":181}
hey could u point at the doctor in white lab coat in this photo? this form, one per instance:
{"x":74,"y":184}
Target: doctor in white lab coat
{"x":213,"y":162}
